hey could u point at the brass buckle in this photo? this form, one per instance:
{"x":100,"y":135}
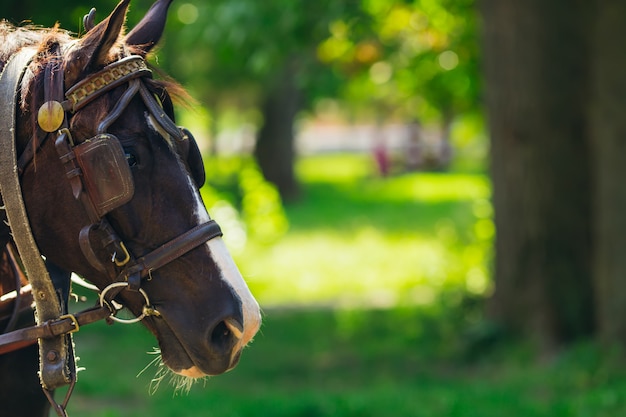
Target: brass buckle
{"x":74,"y":322}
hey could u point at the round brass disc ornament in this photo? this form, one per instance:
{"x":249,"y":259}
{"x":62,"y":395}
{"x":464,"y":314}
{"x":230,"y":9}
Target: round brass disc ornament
{"x":50,"y":116}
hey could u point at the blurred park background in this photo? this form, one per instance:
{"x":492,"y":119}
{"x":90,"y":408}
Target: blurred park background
{"x":426,"y":197}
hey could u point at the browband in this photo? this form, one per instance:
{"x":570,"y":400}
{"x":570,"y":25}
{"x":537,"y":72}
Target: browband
{"x":110,"y":77}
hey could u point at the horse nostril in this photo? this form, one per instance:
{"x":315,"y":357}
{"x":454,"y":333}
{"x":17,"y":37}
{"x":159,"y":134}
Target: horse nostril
{"x":226,"y":334}
{"x":235,"y":327}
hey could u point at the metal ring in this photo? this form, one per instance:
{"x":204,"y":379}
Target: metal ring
{"x":147,"y":309}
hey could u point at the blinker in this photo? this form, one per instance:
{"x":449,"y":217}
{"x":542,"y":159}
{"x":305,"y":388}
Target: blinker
{"x":50,"y":116}
{"x":97,"y":171}
{"x":106,"y":175}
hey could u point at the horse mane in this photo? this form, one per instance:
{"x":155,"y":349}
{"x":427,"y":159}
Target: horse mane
{"x":13,"y":38}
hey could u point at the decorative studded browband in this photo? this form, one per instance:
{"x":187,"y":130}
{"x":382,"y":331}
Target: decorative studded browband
{"x":110,"y":77}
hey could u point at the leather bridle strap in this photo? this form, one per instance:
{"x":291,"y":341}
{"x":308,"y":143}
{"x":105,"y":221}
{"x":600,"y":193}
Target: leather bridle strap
{"x":113,"y":75}
{"x":168,"y":252}
{"x":48,"y":307}
{"x":52,"y":328}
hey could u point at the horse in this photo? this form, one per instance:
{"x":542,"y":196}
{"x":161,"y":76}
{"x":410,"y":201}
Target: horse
{"x":111,"y":185}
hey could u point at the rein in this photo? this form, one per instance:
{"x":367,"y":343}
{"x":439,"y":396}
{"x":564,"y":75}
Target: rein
{"x":83,"y":166}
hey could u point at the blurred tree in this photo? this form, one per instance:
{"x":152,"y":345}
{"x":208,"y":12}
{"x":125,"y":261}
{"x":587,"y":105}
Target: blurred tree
{"x":420,"y":59}
{"x":46,"y":14}
{"x":410,"y":60}
{"x":537,"y":86}
{"x":556,"y":95}
{"x":261,"y":55}
{"x":69,"y":14}
{"x":608,"y":138}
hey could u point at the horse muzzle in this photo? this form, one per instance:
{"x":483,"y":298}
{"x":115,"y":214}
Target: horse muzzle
{"x":204,"y":348}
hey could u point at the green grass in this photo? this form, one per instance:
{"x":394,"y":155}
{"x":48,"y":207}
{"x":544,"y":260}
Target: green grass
{"x":372,"y":305}
{"x":358,"y":239}
{"x":395,"y":362}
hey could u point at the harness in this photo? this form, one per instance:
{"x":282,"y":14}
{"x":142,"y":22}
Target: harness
{"x":100,"y":178}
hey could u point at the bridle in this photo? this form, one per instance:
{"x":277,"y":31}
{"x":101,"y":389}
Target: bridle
{"x":100,"y":178}
{"x":99,"y":173}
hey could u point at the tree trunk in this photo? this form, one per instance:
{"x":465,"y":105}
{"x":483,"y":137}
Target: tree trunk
{"x":274,"y":150}
{"x":608,"y":129}
{"x":536,"y":75}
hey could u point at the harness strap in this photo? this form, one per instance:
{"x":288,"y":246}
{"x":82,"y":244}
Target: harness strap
{"x":60,"y":371}
{"x":52,"y":329}
{"x":159,"y":113}
{"x":53,"y":90}
{"x":17,"y":345}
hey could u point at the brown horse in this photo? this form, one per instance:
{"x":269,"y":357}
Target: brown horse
{"x":155,"y":235}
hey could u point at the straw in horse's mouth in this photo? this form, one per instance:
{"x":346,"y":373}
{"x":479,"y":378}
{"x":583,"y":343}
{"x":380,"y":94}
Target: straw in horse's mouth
{"x":180,"y":383}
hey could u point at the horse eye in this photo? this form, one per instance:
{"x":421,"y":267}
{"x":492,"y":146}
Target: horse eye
{"x":131,"y":159}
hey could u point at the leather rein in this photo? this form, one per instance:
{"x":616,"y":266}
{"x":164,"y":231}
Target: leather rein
{"x":129,"y":270}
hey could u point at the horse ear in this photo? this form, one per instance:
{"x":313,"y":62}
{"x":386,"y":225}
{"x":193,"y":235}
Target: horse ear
{"x":148,"y":32}
{"x":105,"y":35}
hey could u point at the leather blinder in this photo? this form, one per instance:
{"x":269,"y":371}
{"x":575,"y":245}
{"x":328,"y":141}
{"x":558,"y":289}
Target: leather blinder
{"x":106,"y":174}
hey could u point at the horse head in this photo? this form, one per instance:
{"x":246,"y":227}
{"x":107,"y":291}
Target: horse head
{"x":133,"y":215}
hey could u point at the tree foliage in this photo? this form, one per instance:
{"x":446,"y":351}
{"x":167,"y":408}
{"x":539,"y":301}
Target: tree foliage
{"x":413,"y":59}
{"x":417,"y":57}
{"x":379,"y":59}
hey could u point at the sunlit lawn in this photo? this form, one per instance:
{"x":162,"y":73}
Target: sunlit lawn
{"x":372,"y":308}
{"x":359,"y":239}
